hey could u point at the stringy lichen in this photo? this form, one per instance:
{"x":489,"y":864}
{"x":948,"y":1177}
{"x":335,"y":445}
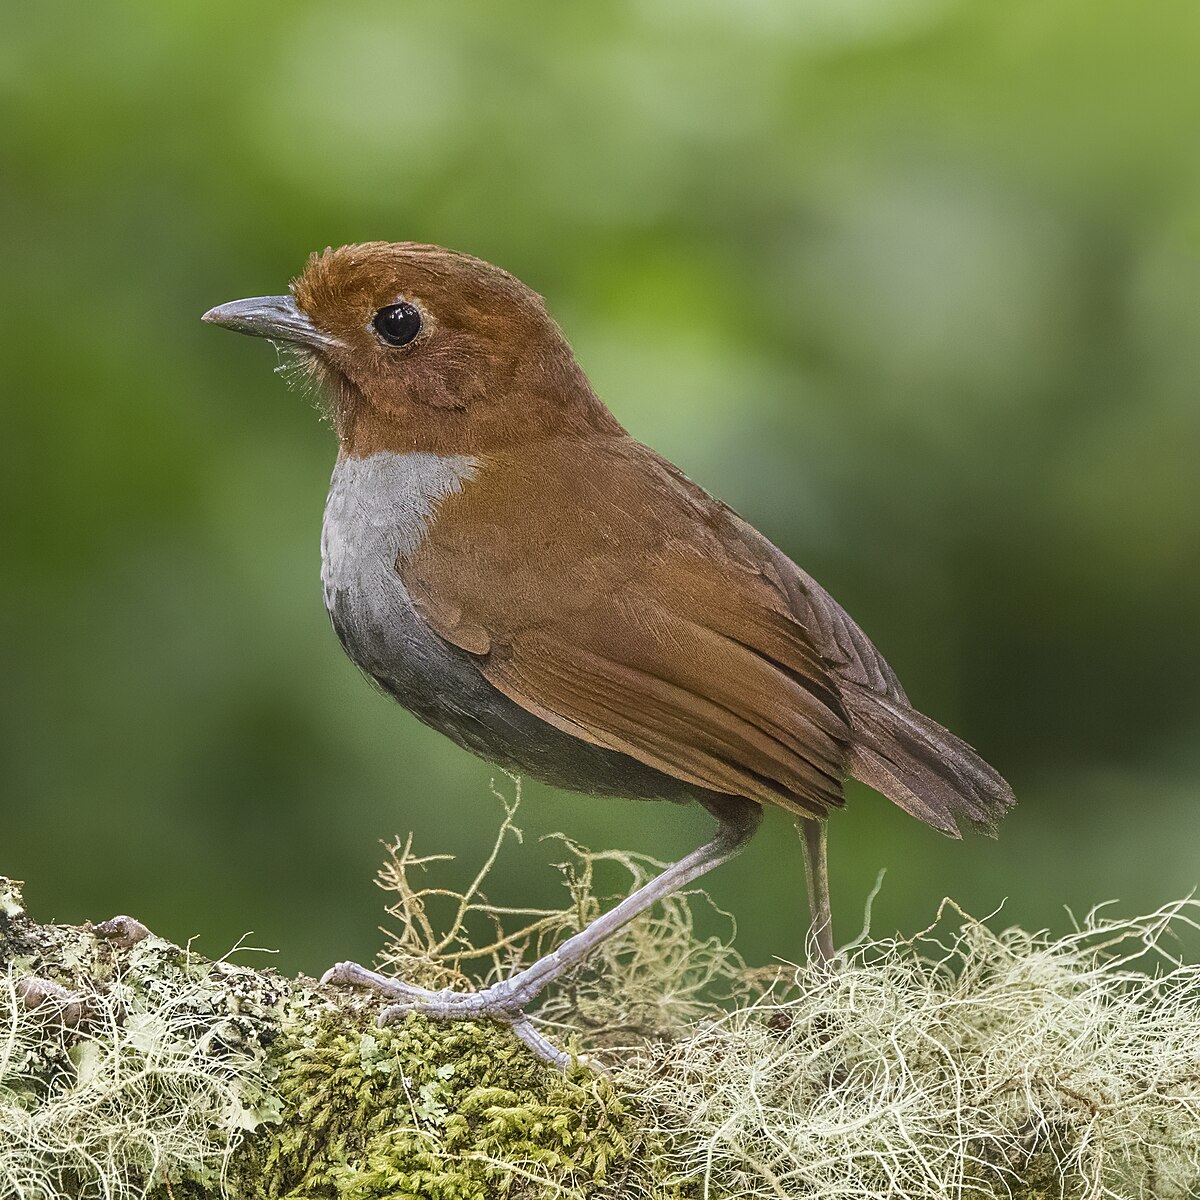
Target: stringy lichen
{"x":960,"y":1063}
{"x":122,"y":1064}
{"x":963,"y":1063}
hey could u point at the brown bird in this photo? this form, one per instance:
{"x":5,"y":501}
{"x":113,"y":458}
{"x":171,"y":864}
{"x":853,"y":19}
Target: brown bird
{"x":518,"y":572}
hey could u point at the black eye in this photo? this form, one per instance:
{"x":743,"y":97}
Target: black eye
{"x":398,"y":324}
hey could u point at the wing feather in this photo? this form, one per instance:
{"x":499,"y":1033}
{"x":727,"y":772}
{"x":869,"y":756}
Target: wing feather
{"x":641,"y":622}
{"x":715,"y":740}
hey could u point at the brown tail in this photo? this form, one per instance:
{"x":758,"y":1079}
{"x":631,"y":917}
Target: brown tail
{"x":921,"y":767}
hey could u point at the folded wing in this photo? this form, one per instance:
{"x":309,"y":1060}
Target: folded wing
{"x":641,"y":624}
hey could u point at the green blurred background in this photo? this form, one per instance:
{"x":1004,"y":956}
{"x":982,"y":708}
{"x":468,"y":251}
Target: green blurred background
{"x":912,"y":284}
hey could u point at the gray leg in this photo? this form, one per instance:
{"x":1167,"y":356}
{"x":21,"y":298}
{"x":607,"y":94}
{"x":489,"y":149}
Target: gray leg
{"x":737,"y":819}
{"x":816,"y":873}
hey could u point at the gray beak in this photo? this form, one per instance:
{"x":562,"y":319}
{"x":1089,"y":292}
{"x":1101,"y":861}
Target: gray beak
{"x":274,"y":317}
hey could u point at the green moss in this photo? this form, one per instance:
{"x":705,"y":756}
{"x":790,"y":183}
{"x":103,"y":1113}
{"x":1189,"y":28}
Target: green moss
{"x":437,"y":1111}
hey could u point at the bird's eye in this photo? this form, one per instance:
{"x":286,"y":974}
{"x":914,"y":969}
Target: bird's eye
{"x":398,"y":324}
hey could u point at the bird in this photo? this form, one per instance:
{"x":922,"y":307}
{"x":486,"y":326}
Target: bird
{"x":503,"y":559}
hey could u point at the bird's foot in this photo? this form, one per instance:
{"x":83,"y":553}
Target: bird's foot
{"x":500,"y":1002}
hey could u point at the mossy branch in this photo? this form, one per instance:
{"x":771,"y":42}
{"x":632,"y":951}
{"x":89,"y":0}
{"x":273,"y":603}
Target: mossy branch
{"x":962,"y":1063}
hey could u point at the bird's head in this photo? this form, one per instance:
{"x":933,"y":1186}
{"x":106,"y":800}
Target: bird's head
{"x":424,"y":348}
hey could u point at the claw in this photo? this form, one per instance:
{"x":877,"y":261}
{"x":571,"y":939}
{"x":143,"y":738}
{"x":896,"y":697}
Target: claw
{"x":334,"y":974}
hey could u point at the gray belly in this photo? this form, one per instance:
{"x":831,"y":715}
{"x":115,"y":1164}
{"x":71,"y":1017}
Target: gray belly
{"x":377,"y":511}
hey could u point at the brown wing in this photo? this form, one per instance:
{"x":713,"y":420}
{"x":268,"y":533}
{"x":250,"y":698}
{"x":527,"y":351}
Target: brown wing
{"x":637,"y":616}
{"x":845,"y":649}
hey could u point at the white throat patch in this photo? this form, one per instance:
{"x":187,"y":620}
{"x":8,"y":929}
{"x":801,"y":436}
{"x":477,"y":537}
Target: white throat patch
{"x":378,"y":511}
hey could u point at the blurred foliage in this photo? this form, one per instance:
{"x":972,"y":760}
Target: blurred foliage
{"x":913,"y":284}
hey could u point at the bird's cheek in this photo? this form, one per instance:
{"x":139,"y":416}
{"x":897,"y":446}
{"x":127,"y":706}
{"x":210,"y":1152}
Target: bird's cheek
{"x":413,"y":384}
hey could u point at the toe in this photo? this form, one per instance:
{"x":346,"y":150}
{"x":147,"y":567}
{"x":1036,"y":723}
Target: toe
{"x":338,"y":973}
{"x":351,"y":974}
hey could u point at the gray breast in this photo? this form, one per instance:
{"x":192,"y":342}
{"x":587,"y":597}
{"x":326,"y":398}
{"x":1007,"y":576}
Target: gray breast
{"x":378,"y":511}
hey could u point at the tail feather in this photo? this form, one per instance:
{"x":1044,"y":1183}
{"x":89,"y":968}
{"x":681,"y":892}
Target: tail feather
{"x":921,"y":766}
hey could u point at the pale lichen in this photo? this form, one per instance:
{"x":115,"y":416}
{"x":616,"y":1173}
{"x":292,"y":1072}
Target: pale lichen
{"x":121,"y":1069}
{"x":964,"y":1062}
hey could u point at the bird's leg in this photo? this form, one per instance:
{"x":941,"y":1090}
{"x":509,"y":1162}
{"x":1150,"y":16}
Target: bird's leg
{"x":506,"y":1001}
{"x":816,"y":874}
{"x":733,"y":832}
